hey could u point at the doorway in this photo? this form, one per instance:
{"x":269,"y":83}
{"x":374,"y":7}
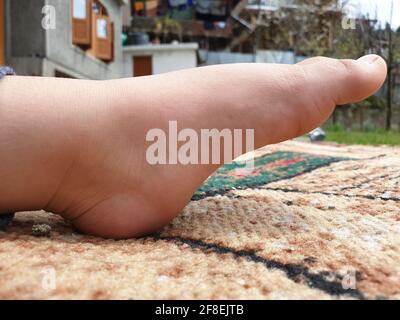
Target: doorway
{"x":142,"y":66}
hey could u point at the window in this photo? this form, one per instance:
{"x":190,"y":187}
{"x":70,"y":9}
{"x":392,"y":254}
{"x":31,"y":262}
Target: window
{"x":102,"y":45}
{"x":81,"y":22}
{"x":92,"y":29}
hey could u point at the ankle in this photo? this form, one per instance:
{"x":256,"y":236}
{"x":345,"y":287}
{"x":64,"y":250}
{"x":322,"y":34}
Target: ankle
{"x":38,"y":141}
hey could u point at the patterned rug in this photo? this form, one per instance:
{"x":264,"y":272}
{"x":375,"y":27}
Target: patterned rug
{"x":312,"y":221}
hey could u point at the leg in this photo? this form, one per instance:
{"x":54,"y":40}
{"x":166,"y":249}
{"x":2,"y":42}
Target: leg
{"x":77,"y":147}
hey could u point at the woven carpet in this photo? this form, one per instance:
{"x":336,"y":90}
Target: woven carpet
{"x":312,"y":221}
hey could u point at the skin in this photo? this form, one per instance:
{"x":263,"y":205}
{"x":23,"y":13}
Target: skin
{"x":77,"y":147}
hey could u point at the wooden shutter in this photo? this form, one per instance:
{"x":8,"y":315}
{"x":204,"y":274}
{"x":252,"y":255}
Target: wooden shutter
{"x":112,"y":41}
{"x":81,"y":11}
{"x":102,"y":44}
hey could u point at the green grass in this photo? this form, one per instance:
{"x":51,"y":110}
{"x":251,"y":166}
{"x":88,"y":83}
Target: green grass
{"x":370,"y":137}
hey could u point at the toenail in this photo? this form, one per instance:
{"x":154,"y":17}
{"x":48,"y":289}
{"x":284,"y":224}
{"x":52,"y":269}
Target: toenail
{"x":369,"y":59}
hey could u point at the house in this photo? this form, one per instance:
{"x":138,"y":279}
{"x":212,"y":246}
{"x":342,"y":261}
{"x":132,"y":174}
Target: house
{"x":62,"y":38}
{"x":148,"y":59}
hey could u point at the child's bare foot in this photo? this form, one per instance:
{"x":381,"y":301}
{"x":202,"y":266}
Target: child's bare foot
{"x":78,"y":148}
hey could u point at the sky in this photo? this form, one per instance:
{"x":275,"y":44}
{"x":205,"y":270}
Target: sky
{"x":381,"y":8}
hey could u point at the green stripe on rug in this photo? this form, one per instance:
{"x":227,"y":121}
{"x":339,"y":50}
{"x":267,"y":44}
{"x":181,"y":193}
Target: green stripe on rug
{"x":268,"y":168}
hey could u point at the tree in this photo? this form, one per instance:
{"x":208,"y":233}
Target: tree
{"x":314,"y":27}
{"x":305,"y":26}
{"x":165,"y":25}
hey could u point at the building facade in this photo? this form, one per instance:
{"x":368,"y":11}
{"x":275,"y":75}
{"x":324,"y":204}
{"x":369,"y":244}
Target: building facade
{"x":63,"y":38}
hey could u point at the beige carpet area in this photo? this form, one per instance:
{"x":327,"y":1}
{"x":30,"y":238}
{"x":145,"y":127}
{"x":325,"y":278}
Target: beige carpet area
{"x":314,"y":221}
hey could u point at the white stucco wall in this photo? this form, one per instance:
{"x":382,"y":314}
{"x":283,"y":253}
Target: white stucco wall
{"x":165,"y":57}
